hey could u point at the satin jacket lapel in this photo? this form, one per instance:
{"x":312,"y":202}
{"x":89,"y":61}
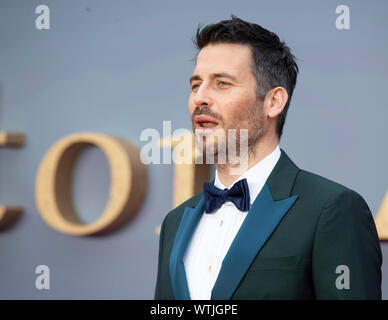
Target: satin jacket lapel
{"x":189,"y":221}
{"x":261,"y":220}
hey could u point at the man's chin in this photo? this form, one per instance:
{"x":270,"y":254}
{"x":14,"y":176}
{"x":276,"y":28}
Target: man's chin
{"x":213,"y":153}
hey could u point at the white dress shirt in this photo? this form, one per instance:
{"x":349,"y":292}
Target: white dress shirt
{"x":215,"y":232}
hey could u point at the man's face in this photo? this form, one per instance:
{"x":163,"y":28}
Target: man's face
{"x":223,"y":94}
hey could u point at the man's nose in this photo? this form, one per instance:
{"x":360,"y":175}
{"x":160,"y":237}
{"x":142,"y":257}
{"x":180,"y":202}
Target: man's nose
{"x":203,"y":97}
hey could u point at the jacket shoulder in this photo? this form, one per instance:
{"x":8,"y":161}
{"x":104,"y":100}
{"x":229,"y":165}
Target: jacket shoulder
{"x":318,"y":187}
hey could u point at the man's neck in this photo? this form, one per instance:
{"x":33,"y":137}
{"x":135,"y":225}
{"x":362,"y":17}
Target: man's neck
{"x":262,"y":150}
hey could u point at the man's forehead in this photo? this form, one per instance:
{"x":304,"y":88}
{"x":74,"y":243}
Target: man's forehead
{"x":223,"y":58}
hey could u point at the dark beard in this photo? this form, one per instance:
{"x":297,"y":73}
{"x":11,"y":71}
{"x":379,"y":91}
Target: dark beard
{"x":252,"y":120}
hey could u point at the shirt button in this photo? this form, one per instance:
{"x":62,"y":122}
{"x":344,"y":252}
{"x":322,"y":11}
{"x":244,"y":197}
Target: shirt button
{"x":210,"y":268}
{"x":222,"y":221}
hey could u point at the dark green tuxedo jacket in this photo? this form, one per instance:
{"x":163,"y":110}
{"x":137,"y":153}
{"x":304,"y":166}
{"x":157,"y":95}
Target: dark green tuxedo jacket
{"x":300,"y":228}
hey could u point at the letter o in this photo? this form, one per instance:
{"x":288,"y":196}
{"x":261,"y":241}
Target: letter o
{"x":54,"y":177}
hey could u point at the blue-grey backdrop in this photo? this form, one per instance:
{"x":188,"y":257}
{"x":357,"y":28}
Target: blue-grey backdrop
{"x":119,"y":67}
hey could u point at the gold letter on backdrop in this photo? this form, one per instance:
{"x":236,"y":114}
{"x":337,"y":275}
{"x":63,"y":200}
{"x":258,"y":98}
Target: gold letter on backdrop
{"x":382,"y":219}
{"x":11,"y":139}
{"x":9,"y":215}
{"x":53,"y":183}
{"x":188,"y":177}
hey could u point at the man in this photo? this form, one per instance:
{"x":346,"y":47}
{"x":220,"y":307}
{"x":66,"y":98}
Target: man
{"x":275,"y":231}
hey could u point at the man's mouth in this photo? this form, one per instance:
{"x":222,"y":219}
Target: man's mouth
{"x":202,"y":122}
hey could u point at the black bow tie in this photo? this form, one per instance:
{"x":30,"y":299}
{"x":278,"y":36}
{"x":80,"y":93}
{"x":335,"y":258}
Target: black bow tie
{"x":215,"y":197}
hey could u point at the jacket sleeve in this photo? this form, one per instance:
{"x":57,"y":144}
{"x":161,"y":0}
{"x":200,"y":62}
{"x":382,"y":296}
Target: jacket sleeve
{"x":346,"y":259}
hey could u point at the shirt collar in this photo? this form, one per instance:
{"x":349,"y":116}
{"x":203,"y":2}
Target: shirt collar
{"x":257,"y":175}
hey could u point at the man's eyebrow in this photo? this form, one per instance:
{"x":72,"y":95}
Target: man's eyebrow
{"x":214,"y":75}
{"x":194,"y":77}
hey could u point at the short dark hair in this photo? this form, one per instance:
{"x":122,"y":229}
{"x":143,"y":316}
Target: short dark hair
{"x":274,"y":64}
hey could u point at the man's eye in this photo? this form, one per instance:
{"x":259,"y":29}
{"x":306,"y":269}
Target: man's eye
{"x":223,"y":83}
{"x":194,"y":86}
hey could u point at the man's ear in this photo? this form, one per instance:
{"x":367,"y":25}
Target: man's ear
{"x":275,"y":100}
